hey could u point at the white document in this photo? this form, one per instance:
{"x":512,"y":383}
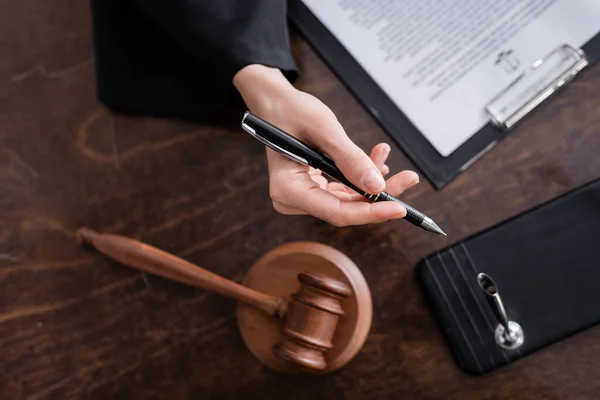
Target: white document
{"x":442,"y":61}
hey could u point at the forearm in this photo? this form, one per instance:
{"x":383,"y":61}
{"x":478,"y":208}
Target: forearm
{"x":260,"y":86}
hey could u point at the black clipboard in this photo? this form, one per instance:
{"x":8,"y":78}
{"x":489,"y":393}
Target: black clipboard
{"x":439,"y":170}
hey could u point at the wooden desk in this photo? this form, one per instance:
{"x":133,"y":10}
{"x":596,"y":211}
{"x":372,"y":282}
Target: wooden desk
{"x":75,"y":325}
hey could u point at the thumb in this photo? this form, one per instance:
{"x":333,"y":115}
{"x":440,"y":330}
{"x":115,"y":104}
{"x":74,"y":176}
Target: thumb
{"x":354,"y":163}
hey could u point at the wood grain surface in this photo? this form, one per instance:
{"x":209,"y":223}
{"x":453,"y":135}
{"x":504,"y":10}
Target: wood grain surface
{"x":74,"y":325}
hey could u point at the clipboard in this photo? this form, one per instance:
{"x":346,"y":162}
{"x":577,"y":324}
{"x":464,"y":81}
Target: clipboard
{"x":505,"y":111}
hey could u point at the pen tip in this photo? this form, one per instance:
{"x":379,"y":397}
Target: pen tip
{"x":431,"y":226}
{"x":440,"y":232}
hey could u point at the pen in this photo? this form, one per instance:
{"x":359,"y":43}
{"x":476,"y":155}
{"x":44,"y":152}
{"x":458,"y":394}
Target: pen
{"x":293,"y":148}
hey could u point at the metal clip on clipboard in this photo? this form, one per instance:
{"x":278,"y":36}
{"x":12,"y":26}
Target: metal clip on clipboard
{"x":536,"y":84}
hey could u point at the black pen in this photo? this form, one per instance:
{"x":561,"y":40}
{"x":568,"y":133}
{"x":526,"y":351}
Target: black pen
{"x":293,"y":148}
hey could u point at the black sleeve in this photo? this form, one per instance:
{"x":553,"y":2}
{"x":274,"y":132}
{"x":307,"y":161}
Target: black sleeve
{"x":229,"y":33}
{"x":178,"y":57}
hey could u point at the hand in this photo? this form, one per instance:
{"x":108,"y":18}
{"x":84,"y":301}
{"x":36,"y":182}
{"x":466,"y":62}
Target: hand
{"x":299,"y":189}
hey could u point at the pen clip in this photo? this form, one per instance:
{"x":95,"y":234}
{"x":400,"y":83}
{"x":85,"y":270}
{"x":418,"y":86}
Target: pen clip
{"x":273,"y":146}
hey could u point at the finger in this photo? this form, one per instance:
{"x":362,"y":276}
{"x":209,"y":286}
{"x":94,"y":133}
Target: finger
{"x":401,"y":181}
{"x":328,"y":207}
{"x":339,"y":187}
{"x":344,"y":192}
{"x":379,"y":155}
{"x":357,"y":167}
{"x":346,"y":196}
{"x":395,"y":185}
{"x":287,"y":210}
{"x":321,"y":180}
{"x":312,"y":171}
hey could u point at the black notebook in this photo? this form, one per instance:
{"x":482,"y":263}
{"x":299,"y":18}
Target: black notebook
{"x":545,"y":264}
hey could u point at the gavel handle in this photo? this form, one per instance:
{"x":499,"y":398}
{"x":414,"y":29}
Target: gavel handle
{"x":144,"y":257}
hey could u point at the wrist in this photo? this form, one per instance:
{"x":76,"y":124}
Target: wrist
{"x":260,"y":86}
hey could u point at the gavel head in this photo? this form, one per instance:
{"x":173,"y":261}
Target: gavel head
{"x":311,"y":320}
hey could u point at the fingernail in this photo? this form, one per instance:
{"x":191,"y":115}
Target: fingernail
{"x":373,"y":181}
{"x":415,"y":179}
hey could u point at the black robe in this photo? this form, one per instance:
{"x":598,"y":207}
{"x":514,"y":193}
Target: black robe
{"x":177,"y":58}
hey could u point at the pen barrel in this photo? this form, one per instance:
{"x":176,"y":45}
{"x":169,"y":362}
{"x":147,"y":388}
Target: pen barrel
{"x":288,"y":145}
{"x":413,"y":216}
{"x":329,"y":168}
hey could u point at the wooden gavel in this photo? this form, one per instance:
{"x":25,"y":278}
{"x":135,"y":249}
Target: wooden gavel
{"x":310,"y":318}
